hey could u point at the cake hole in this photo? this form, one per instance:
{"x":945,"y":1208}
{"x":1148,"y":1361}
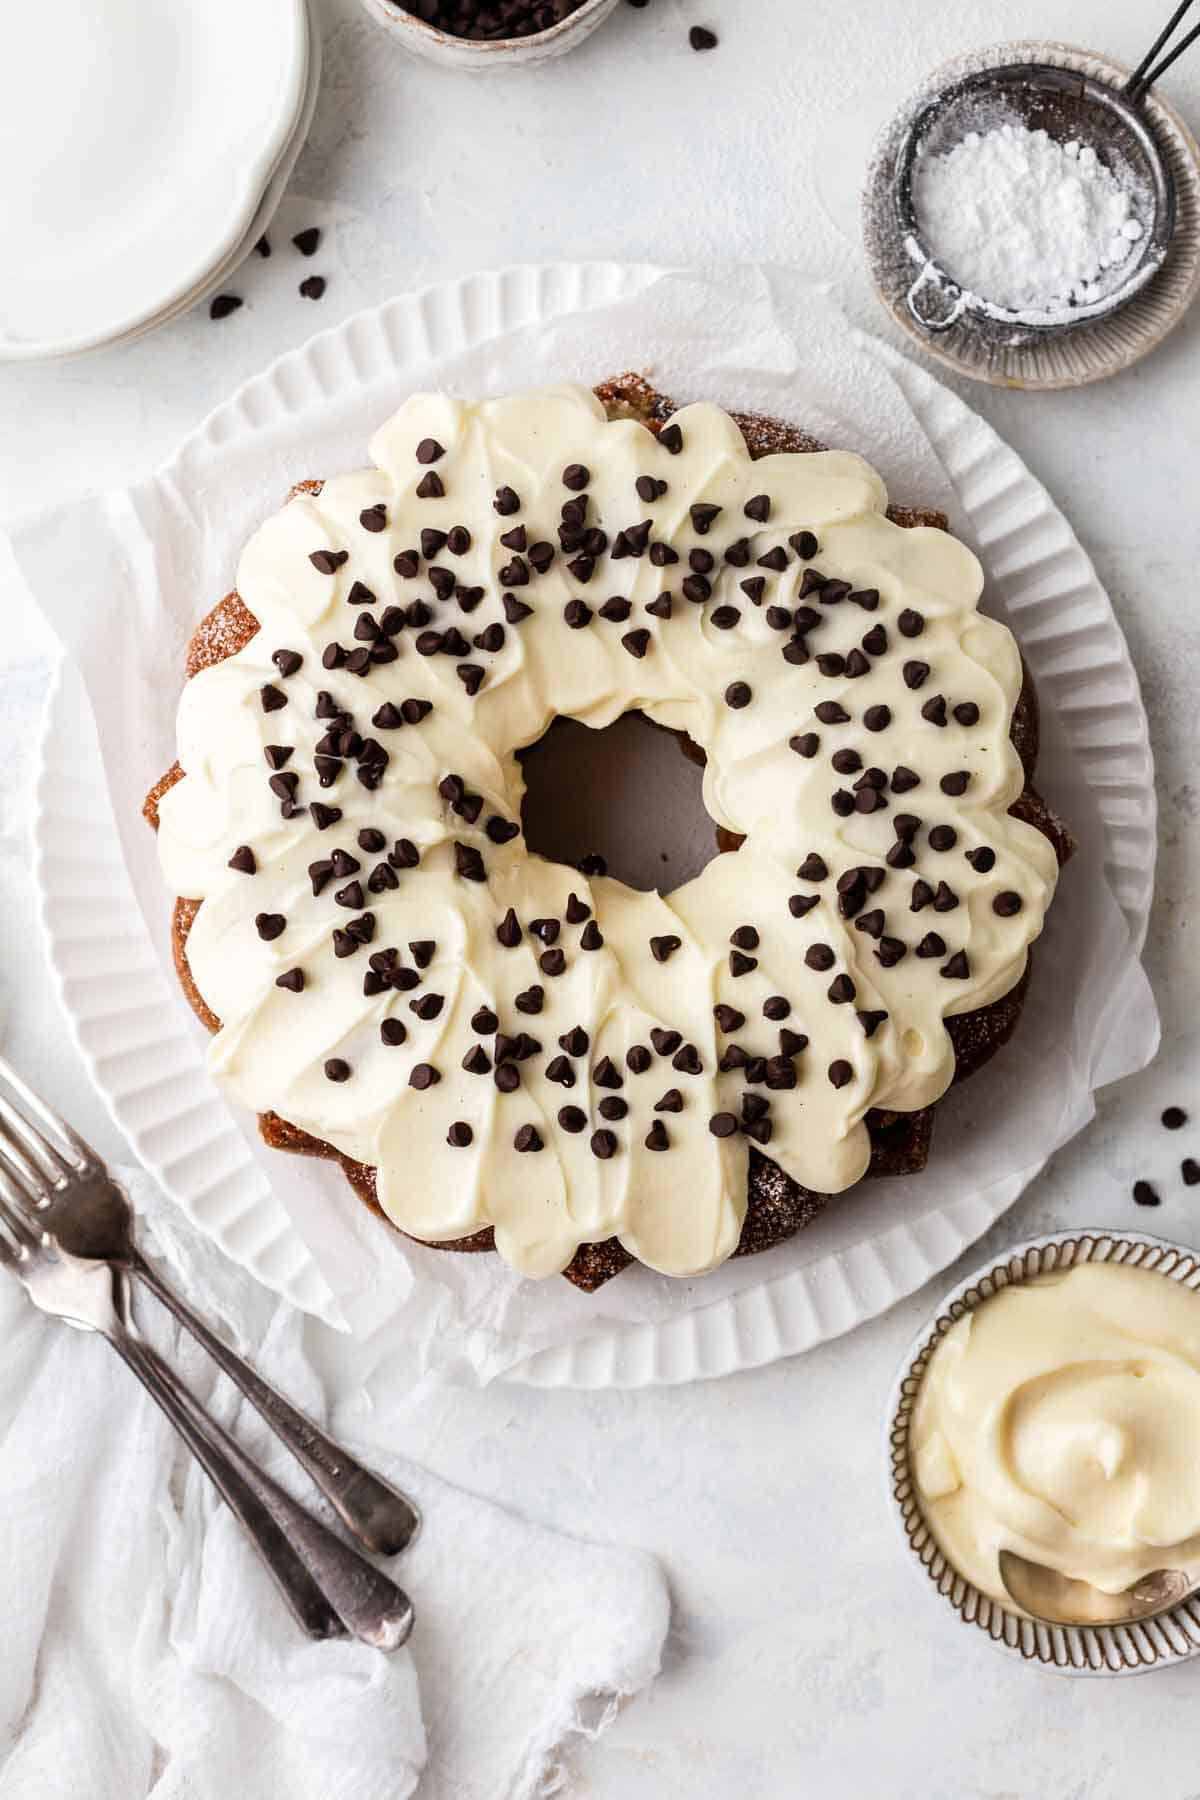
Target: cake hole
{"x":628,"y":792}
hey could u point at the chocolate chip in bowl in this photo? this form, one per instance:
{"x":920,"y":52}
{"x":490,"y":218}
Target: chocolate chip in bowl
{"x":1091,"y":1361}
{"x":489,"y":34}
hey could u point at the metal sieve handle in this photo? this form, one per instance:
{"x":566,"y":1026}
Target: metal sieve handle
{"x":1148,"y":71}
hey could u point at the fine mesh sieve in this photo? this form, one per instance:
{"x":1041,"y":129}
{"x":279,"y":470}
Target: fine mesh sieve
{"x":1068,"y":106}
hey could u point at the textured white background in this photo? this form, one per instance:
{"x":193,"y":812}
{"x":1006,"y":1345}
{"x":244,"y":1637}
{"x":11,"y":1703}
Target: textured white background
{"x":805,"y":1660}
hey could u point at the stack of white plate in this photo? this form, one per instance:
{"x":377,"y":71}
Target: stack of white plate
{"x":145,"y":149}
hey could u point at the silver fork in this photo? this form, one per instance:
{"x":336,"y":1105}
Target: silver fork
{"x":65,"y":1232}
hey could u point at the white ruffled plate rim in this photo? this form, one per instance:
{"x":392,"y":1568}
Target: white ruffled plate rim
{"x":124,"y":1021}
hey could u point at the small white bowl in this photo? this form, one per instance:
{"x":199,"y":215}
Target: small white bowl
{"x":499,"y":53}
{"x":1174,"y":1636}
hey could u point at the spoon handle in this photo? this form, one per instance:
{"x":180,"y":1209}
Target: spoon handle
{"x":380,"y":1518}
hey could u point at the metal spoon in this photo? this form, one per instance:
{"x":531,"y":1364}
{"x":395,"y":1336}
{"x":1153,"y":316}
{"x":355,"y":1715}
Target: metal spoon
{"x":1058,"y":1600}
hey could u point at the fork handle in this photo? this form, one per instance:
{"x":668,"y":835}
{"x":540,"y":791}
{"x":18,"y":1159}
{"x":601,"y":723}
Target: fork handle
{"x":330,"y":1587}
{"x":378,"y":1516}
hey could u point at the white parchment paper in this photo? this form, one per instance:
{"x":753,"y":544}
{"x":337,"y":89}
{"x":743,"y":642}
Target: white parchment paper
{"x":124,"y":576}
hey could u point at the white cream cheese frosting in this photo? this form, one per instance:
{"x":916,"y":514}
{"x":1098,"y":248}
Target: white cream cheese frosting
{"x":854,"y":708}
{"x":1061,"y":1420}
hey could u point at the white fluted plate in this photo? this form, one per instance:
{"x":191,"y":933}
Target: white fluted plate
{"x":144,"y":1053}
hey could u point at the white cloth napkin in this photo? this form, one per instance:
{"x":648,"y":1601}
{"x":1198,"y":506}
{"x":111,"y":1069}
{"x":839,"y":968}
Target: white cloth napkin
{"x":147,"y":1652}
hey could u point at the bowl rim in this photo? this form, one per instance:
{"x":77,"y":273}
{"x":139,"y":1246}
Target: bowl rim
{"x":1078,"y":1650}
{"x":533,"y":40}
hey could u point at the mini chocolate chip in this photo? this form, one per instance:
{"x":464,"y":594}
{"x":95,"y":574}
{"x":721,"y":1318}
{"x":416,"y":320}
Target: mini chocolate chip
{"x":804,"y":544}
{"x":831,"y":663}
{"x":741,"y":965}
{"x":507,"y":1077}
{"x":269,"y":925}
{"x":983,"y":859}
{"x":791,"y":1043}
{"x":591,"y":937}
{"x":657,"y":1138}
{"x":877,"y":718}
{"x":1144,"y":1194}
{"x":660,"y":608}
{"x":271,"y":699}
{"x":222,"y":305}
{"x":916,"y":674}
{"x":664,"y":1041}
{"x":806,"y":744}
{"x":841,"y":990}
{"x":904,"y":779}
{"x":575,"y":1042}
{"x":528,"y":1140}
{"x":430,"y":487}
{"x":871,"y":923}
{"x":612,"y":1107}
{"x":813,"y":868}
{"x":638,"y":1059}
{"x":478,"y":1062}
{"x":429,"y":451}
{"x":911,"y":623}
{"x":484,"y":1021}
{"x":725,"y":617}
{"x":604,"y":1144}
{"x":829,"y":712}
{"x":723,"y":1124}
{"x":404,"y":854}
{"x":292,"y":980}
{"x":795,"y":651}
{"x":776,"y":560}
{"x":745,"y":937}
{"x":469,"y":863}
{"x":841,"y":1073}
{"x":934,"y":711}
{"x":890,"y":951}
{"x":647,"y":488}
{"x":577,"y":614}
{"x":1189,"y":1168}
{"x":799,"y":904}
{"x":571,"y":1118}
{"x":1174,"y":1118}
{"x":931,"y":945}
{"x":671,"y":439}
{"x":776,"y":1007}
{"x":687,"y":1060}
{"x":427,"y":1006}
{"x":758,"y":508}
{"x":875,"y":641}
{"x":967,"y":713}
{"x":738,"y":553}
{"x":559,"y":1070}
{"x":857,"y":665}
{"x":636,"y":642}
{"x":617,"y":609}
{"x":671,"y":1102}
{"x":552,"y":962}
{"x":943,"y":837}
{"x":508,"y":931}
{"x":738,"y":694}
{"x":696,"y":588}
{"x":663,"y":948}
{"x":871,"y":1021}
{"x":754,"y":587}
{"x":606,"y":1073}
{"x":337,"y":1069}
{"x":955,"y":783}
{"x":819,"y":957}
{"x":287,"y":661}
{"x":1007,"y":904}
{"x":530,"y":1000}
{"x":922,"y":895}
{"x":244,"y":860}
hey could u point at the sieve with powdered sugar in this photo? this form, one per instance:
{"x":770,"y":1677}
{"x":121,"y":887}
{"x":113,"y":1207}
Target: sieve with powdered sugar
{"x":1034,"y":195}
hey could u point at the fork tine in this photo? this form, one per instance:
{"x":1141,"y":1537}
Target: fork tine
{"x":53,"y":1158}
{"x":12,"y":1215}
{"x":25,"y":1186}
{"x":20,"y":1165}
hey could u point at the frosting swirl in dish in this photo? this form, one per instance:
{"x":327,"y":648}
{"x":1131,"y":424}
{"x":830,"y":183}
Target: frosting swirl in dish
{"x":510,"y":1042}
{"x":1060,"y":1419}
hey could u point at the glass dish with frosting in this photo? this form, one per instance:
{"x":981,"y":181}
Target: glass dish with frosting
{"x":1060,"y":1419}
